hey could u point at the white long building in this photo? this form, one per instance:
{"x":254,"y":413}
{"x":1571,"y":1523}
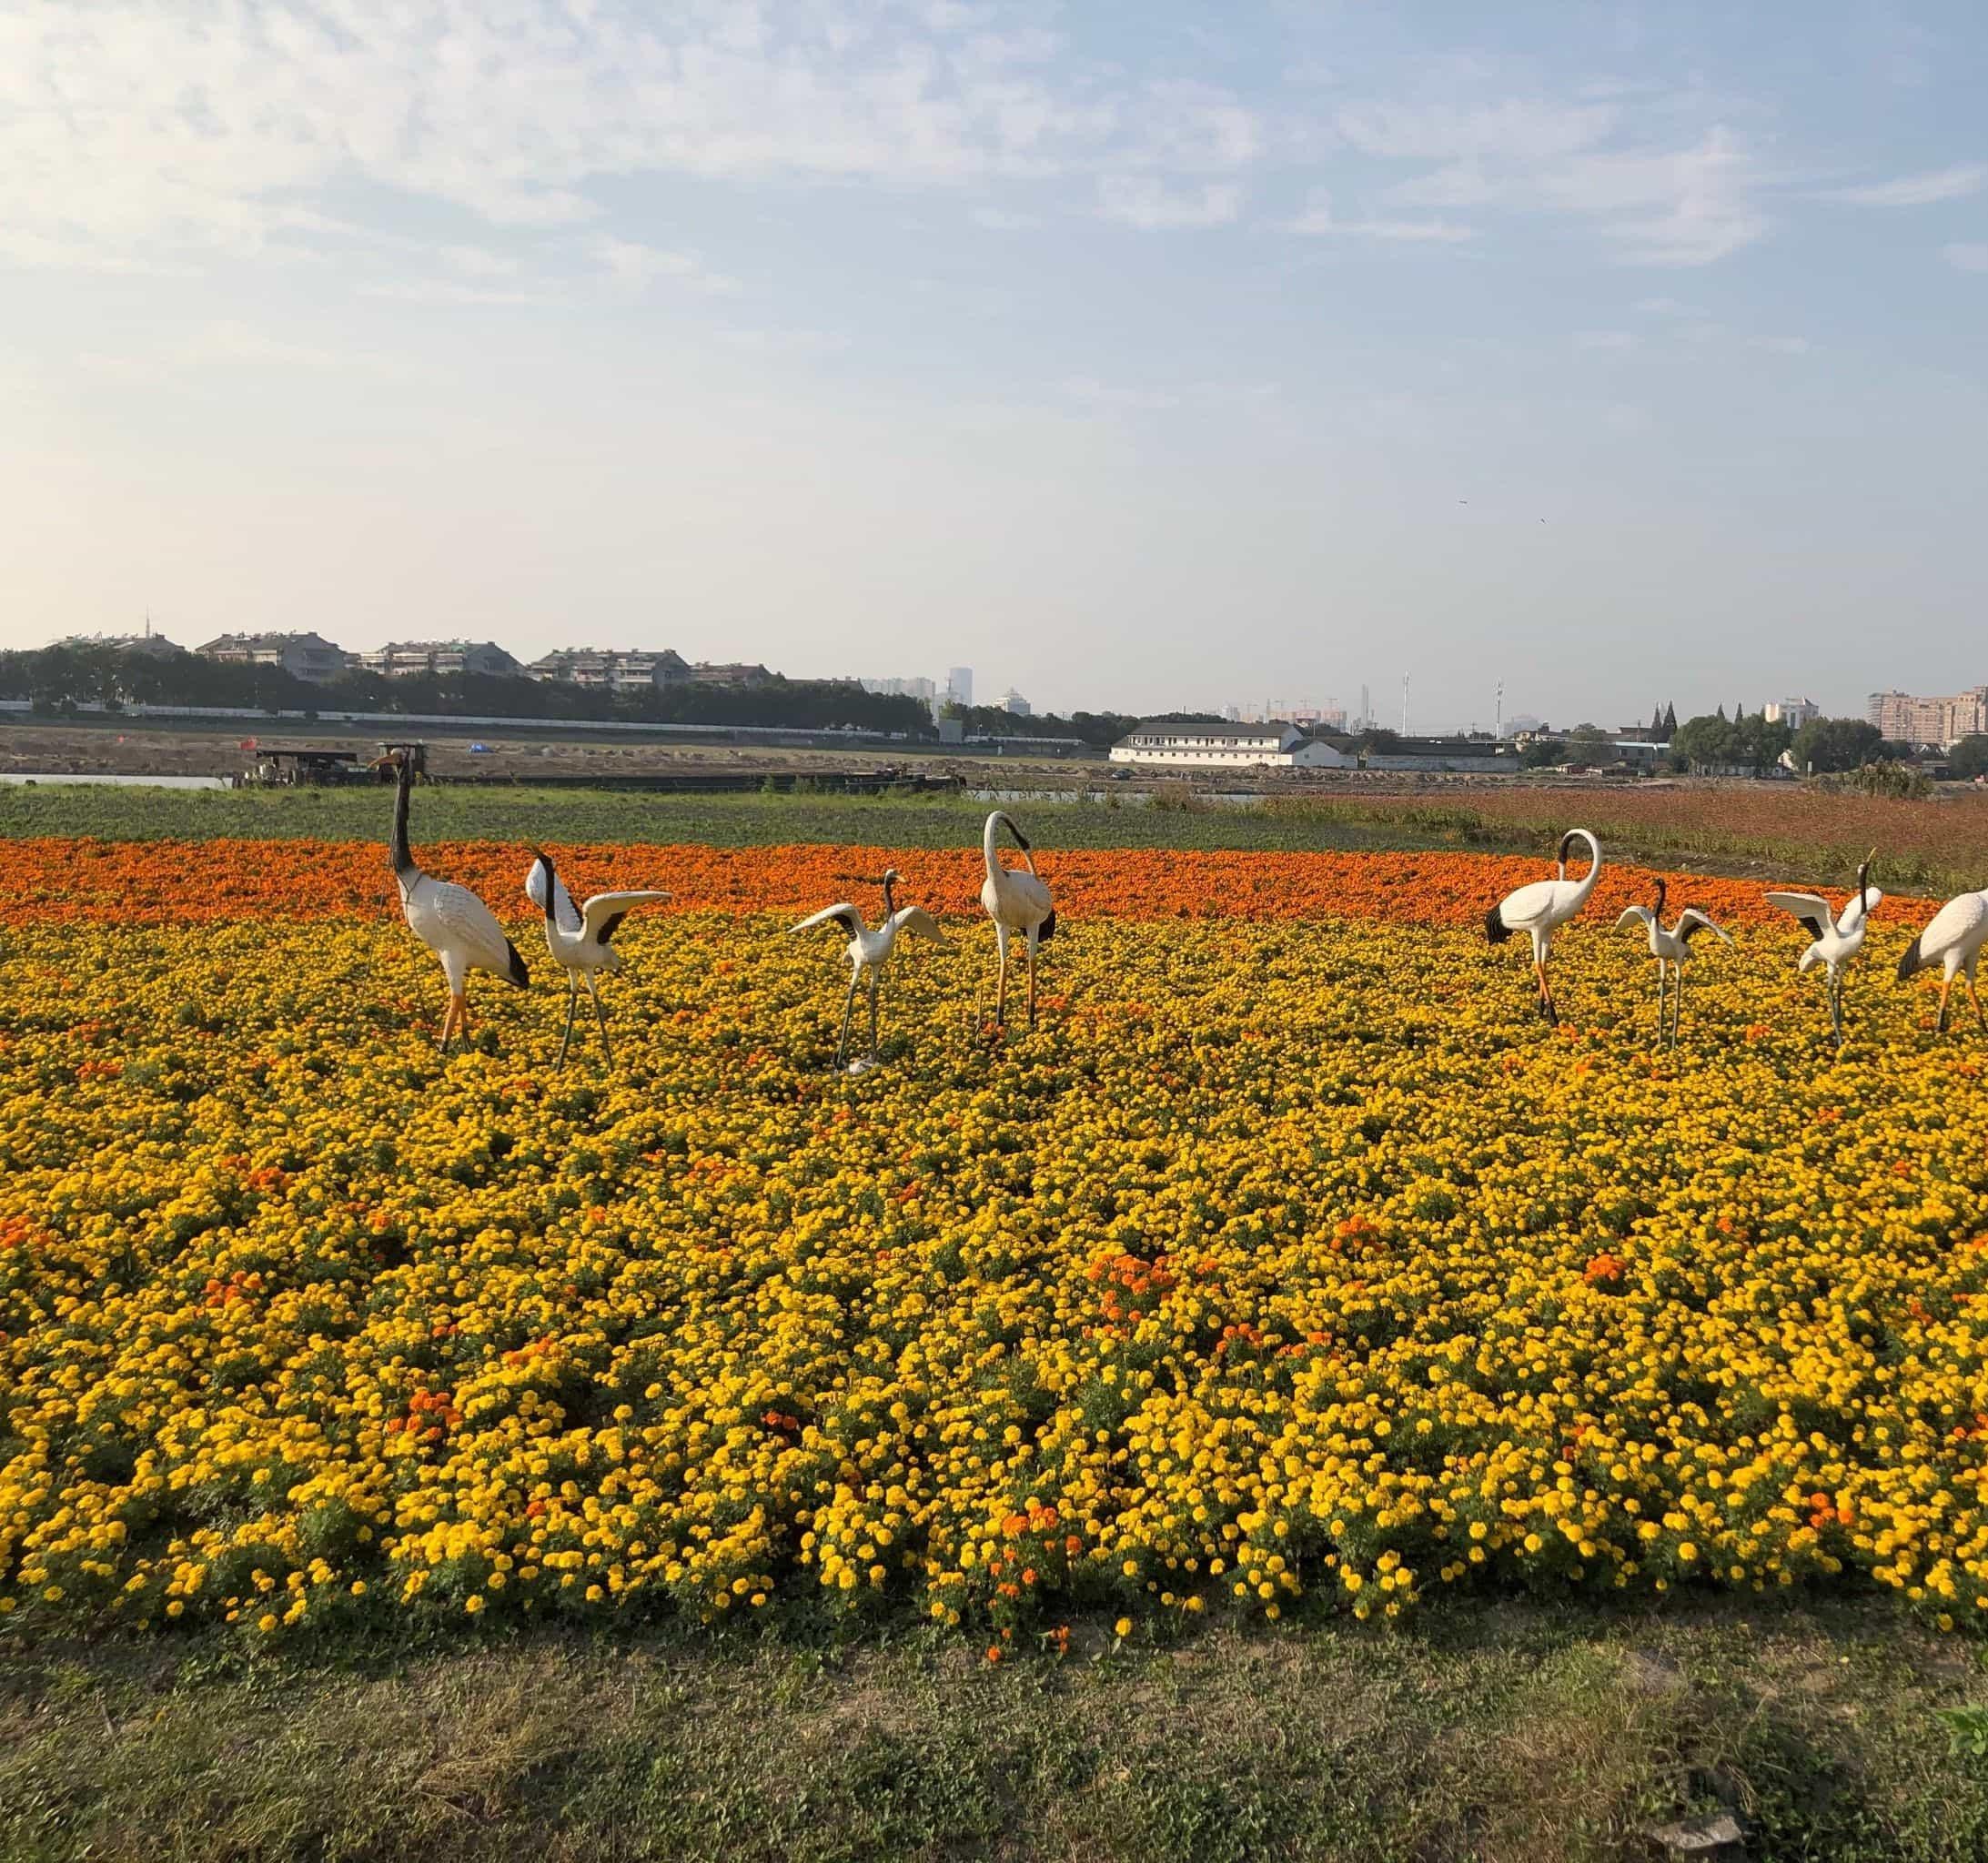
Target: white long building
{"x":1226,"y":746}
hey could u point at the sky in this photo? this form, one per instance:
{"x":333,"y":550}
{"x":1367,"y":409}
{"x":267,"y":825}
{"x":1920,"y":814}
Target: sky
{"x":1136,"y":356}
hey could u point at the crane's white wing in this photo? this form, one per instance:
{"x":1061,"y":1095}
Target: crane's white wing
{"x":1634,"y":915}
{"x":1960,"y":925}
{"x":844,"y":914}
{"x":1860,"y":906}
{"x":1520,"y":908}
{"x":564,"y":911}
{"x":1810,"y":908}
{"x":605,"y":910}
{"x":446,"y":917}
{"x":917,"y":920}
{"x":1691,"y":919}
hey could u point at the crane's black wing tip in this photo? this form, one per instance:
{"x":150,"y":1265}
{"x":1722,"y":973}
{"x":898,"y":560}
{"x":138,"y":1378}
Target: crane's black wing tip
{"x":517,"y":976}
{"x":1914,"y":960}
{"x":1048,"y":929}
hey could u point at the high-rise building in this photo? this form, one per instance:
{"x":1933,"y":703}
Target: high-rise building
{"x":959,"y":685}
{"x":1792,"y":713}
{"x":923,"y":689}
{"x":1908,"y":719}
{"x":1015,"y":705}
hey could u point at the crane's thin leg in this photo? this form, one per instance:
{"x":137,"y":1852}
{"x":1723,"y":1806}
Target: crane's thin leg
{"x":1946,"y":986}
{"x":462,"y":1018}
{"x":1981,"y":1021}
{"x":452,"y":1021}
{"x":1836,"y":1009}
{"x":572,"y":1009}
{"x":1662,"y":974}
{"x":1676,"y":1001}
{"x":1545,"y":992}
{"x":1000,"y":990}
{"x":1032,"y":980}
{"x":849,"y":1009}
{"x":876,"y":981}
{"x":600,"y":1016}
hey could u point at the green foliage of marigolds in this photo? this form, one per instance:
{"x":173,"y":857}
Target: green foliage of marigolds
{"x":1794,"y":833}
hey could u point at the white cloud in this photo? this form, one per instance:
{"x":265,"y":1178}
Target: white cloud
{"x":1606,"y":339}
{"x":1917,"y":190}
{"x":1618,"y":164}
{"x":635,"y":266}
{"x":1318,"y":221}
{"x":1665,"y":307}
{"x":478,"y":261}
{"x":1146,"y":201}
{"x":1688,"y":207}
{"x":1966,"y":256}
{"x":1511,"y":130}
{"x":784,"y":342}
{"x":230,"y":347}
{"x":1219,"y":396}
{"x":1002,"y":220}
{"x":1094,"y":393}
{"x":452,"y":291}
{"x":137,"y":132}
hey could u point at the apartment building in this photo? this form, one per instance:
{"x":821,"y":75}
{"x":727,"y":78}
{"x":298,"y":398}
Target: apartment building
{"x":302,"y":655}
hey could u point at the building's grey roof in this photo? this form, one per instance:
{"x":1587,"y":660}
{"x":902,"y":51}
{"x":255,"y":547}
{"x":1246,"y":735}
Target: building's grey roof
{"x":1222,"y":729}
{"x":269,"y":641}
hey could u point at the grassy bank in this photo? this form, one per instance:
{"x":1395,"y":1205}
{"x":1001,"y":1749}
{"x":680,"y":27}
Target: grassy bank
{"x":1515,"y":1733}
{"x":1759,"y":831}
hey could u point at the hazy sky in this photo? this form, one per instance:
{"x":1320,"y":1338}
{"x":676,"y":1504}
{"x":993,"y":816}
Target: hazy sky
{"x":1136,"y":355}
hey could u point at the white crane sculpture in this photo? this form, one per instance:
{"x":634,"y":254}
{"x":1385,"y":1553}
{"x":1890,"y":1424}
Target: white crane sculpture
{"x":451,"y":920}
{"x":1669,"y":948}
{"x":869,"y":951}
{"x":581,"y":939}
{"x":1019,"y":904}
{"x":1838,"y":936}
{"x":1952,"y":941}
{"x":1541,"y":908}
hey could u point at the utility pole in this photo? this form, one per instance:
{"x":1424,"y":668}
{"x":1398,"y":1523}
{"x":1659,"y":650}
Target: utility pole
{"x":1404,"y":704}
{"x":1498,"y":730}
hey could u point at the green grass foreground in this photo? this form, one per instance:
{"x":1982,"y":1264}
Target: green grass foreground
{"x":1792,"y":831}
{"x":1510,"y":1733}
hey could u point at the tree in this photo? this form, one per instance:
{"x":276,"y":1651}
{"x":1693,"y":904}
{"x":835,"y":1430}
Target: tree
{"x":1656,"y":726}
{"x":1969,"y":758}
{"x":1829,"y":744}
{"x":1670,"y":722}
{"x":1704,"y":742}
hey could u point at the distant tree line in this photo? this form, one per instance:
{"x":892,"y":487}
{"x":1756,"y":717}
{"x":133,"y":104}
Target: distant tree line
{"x":1101,"y":728}
{"x":1750,"y":742}
{"x":58,"y":679}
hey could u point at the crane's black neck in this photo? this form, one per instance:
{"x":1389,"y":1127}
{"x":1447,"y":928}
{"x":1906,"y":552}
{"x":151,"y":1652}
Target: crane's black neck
{"x":552,"y":890}
{"x":398,"y":851}
{"x":889,"y":903}
{"x":1663,"y":886}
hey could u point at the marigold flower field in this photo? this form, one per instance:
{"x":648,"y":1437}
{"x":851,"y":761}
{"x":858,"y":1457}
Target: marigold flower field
{"x":1290,"y":1265}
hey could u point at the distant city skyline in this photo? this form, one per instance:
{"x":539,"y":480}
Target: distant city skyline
{"x":1628,"y":354}
{"x":1328,"y":714}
